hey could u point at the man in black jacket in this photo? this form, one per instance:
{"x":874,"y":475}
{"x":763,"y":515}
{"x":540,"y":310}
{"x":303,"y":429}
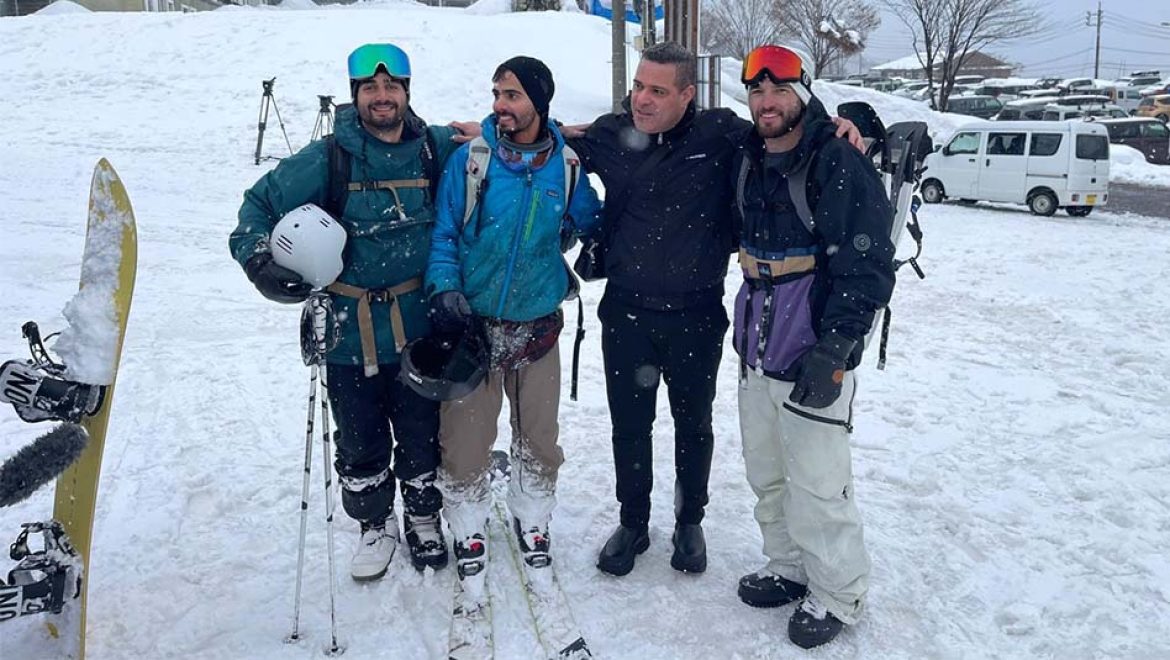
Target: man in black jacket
{"x":813,"y":282}
{"x":667,"y":233}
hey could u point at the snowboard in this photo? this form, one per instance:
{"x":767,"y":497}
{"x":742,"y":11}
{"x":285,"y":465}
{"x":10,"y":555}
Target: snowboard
{"x":90,"y":350}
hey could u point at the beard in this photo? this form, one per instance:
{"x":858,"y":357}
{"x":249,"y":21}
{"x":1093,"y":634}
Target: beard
{"x":788,"y":120}
{"x":519,"y":123}
{"x":382,"y":124}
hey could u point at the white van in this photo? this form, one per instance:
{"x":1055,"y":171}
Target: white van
{"x":1046,"y":165}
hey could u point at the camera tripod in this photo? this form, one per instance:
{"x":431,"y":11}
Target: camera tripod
{"x":324,"y":125}
{"x":266,"y":101}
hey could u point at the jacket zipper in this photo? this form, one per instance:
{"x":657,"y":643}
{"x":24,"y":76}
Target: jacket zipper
{"x":521,"y":231}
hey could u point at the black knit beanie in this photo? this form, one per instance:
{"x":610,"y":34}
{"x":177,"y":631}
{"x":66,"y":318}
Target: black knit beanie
{"x":534,"y":77}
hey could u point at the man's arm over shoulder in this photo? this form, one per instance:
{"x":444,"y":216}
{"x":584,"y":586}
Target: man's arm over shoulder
{"x":443,"y":272}
{"x":299,"y":179}
{"x":727,"y":122}
{"x":853,"y":217}
{"x":597,"y":143}
{"x":445,"y":145}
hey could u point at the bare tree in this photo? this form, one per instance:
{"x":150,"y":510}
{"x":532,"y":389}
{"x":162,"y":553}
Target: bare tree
{"x":827,"y":29}
{"x":735,"y":27}
{"x":946,"y":32}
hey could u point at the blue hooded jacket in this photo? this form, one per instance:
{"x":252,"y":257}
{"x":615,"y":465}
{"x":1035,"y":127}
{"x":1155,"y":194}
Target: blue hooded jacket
{"x":507,"y":259}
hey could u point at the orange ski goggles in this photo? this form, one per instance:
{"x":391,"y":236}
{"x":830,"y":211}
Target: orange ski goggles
{"x":777,"y":62}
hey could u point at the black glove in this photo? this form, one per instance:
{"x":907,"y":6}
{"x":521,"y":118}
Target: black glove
{"x":820,"y":372}
{"x":276,"y":282}
{"x":450,"y":312}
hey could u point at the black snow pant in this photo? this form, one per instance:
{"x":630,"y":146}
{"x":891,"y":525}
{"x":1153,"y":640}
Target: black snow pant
{"x":373,"y":415}
{"x":683,"y":347}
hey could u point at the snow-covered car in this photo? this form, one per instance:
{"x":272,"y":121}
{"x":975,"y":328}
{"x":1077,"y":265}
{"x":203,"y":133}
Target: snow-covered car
{"x":1157,"y":107}
{"x":984,"y":107}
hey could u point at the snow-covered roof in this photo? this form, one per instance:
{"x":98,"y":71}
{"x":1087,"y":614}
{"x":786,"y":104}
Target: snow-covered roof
{"x":903,"y":63}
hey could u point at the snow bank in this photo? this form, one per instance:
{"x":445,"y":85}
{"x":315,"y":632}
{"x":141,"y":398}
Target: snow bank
{"x":489,"y":7}
{"x":297,"y":4}
{"x":61,"y":7}
{"x":1128,"y":165}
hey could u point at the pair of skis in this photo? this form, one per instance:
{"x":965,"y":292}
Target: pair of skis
{"x":556,"y":629}
{"x":898,"y":153}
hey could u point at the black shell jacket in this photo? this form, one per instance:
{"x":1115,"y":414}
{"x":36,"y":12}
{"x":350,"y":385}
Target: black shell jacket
{"x":668,"y":248}
{"x":833,"y":279}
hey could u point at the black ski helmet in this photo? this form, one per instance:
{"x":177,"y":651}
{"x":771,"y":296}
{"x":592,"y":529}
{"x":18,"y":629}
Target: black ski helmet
{"x":445,"y":367}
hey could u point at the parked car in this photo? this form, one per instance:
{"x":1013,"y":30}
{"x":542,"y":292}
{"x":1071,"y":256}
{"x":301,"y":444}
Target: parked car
{"x":1046,"y":165}
{"x":1149,"y":136}
{"x":910,"y":88}
{"x":1137,"y":81}
{"x":984,"y":107}
{"x":1157,"y":107}
{"x":1160,"y":87}
{"x":1025,"y":108}
{"x":1128,"y":97}
{"x":1057,"y":112}
{"x":1004,"y":89}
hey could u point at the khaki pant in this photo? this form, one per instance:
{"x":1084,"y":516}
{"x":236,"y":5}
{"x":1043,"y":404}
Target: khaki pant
{"x":799,"y":466}
{"x":467,"y":431}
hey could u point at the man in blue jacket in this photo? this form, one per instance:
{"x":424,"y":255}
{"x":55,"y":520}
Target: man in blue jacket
{"x":501,"y":263}
{"x":811,"y":290}
{"x":392,"y":155}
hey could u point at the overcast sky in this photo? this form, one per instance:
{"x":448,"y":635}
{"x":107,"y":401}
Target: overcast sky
{"x":1132,"y":37}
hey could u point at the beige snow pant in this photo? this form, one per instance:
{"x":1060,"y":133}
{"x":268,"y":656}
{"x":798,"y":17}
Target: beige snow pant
{"x":467,"y":431}
{"x":799,"y":466}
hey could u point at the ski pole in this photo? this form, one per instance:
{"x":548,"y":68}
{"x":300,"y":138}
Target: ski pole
{"x":320,"y":316}
{"x":295,"y":635}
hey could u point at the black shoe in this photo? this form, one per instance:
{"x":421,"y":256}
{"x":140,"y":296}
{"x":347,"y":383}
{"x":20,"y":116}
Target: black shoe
{"x":690,"y":549}
{"x":617,"y":556}
{"x":812,"y":625}
{"x":424,"y":537}
{"x":769,"y":590}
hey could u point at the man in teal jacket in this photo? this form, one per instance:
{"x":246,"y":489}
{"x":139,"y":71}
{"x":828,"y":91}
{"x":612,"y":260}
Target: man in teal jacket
{"x":387,"y":211}
{"x":502,"y":263}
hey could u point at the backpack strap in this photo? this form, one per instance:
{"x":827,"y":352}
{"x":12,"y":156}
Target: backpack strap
{"x":337,"y":188}
{"x":572,"y":172}
{"x":430,"y":163}
{"x":797,"y":188}
{"x":478,"y":157}
{"x":798,"y":191}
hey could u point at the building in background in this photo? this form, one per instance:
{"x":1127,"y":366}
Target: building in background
{"x":976,"y":63}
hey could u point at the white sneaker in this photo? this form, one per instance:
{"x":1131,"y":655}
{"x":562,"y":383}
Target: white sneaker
{"x":374,"y":551}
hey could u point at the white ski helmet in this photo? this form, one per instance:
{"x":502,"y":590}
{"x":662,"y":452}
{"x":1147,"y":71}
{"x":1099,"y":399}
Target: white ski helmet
{"x":309,"y":242}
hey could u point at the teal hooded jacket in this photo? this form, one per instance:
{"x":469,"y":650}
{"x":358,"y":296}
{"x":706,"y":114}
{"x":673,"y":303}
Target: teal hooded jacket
{"x":383,"y":247}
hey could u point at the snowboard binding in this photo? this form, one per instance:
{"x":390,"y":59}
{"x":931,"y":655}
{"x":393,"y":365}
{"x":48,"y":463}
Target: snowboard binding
{"x":43,"y":580}
{"x":38,"y":389}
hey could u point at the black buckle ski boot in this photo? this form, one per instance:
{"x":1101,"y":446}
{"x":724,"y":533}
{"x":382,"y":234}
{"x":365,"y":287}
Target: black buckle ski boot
{"x":766,"y":589}
{"x":534,"y":544}
{"x":624,"y":545}
{"x":424,"y":537}
{"x":471,"y":556}
{"x":812,"y":625}
{"x":690,"y":548}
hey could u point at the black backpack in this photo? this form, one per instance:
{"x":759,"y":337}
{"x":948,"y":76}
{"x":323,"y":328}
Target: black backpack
{"x":340,"y":169}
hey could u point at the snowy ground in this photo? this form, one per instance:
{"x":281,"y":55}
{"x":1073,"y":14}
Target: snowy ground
{"x":1011,"y":461}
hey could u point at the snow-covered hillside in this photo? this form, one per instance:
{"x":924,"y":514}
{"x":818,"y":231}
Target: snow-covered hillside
{"x":1011,"y":461}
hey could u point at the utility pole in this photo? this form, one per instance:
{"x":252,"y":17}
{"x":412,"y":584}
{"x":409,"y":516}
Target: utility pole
{"x":1089,"y":22}
{"x":618,"y":35}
